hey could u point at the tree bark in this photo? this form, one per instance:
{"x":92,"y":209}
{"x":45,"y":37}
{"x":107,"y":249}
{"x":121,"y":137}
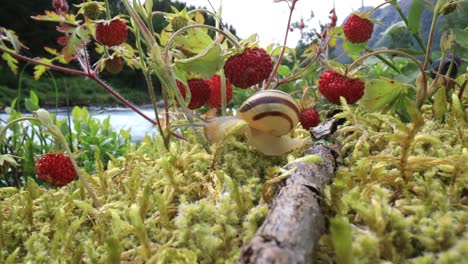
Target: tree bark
{"x":295,"y":221}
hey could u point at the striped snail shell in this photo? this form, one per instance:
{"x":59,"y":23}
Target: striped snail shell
{"x":265,"y":118}
{"x":270,"y":111}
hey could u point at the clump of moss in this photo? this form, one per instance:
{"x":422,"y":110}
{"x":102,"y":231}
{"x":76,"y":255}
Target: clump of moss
{"x":400,"y":195}
{"x":180,"y":205}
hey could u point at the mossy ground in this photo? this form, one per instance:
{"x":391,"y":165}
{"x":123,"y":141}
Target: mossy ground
{"x":398,"y":197}
{"x":176,"y":206}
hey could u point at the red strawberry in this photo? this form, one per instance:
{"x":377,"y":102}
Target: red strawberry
{"x":199,"y":90}
{"x":215,"y":86}
{"x":309,"y":117}
{"x":114,"y":65}
{"x":358,"y":28}
{"x":111,"y":33}
{"x":56,"y":169}
{"x":332,"y":85}
{"x":60,"y":4}
{"x":249,"y":68}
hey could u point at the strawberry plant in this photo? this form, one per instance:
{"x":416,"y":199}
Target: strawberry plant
{"x":182,"y":196}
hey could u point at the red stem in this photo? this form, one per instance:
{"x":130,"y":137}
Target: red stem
{"x":92,"y":75}
{"x":280,"y":58}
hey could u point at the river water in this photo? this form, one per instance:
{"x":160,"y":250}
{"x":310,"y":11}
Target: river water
{"x":120,"y":118}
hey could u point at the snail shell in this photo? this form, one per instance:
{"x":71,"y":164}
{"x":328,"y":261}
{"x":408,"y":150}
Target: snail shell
{"x":265,"y":118}
{"x":270,"y":111}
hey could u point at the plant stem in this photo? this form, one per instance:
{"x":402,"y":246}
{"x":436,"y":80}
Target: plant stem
{"x":419,"y":100}
{"x":88,"y":188}
{"x":13,"y":122}
{"x":403,"y":17}
{"x":91,"y":75}
{"x":280,"y":58}
{"x":429,"y":41}
{"x":384,"y":60}
{"x":365,"y":56}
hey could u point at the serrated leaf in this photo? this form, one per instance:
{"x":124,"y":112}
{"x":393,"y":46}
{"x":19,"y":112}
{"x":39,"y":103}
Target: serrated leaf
{"x":39,"y":70}
{"x":205,"y":63}
{"x":381,"y":94}
{"x":414,"y":16}
{"x":194,"y":40}
{"x":52,"y":16}
{"x":11,"y":61}
{"x":69,"y":50}
{"x":11,"y":37}
{"x":51,"y":50}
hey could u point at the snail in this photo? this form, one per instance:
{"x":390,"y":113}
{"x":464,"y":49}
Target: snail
{"x":265,"y":118}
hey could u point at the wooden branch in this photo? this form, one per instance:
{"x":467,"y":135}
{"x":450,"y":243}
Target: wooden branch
{"x":295,"y":221}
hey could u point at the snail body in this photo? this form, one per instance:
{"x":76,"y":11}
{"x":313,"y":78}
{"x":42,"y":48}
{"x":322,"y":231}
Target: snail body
{"x":265,"y":118}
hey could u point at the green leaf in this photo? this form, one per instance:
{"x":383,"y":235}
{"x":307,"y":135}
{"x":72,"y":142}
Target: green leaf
{"x":354,"y":50}
{"x":52,"y":16}
{"x":34,"y":98}
{"x":461,"y":36}
{"x":340,"y":230}
{"x":39,"y":70}
{"x":414,"y":16}
{"x":381,"y":94}
{"x":284,"y":70}
{"x":11,"y":61}
{"x":193,"y":40}
{"x":8,"y":159}
{"x":440,"y":103}
{"x":205,"y":63}
{"x":32,"y":103}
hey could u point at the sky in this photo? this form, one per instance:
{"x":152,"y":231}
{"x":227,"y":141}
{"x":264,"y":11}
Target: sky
{"x":269,"y":19}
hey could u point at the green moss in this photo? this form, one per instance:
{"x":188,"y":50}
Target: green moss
{"x":176,"y":206}
{"x":402,"y":188}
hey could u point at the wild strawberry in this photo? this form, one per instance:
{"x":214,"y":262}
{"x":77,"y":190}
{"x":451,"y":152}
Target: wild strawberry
{"x":111,"y":33}
{"x":91,"y":10}
{"x":301,"y":24}
{"x":199,"y":90}
{"x":358,"y":28}
{"x":215,"y":86}
{"x":309,"y":117}
{"x":56,"y":169}
{"x":332,"y":85}
{"x":114,"y":65}
{"x":249,"y":68}
{"x":60,"y":4}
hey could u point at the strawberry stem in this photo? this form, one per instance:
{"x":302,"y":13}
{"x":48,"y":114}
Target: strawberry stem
{"x":280,"y":58}
{"x":108,"y":14}
{"x":92,"y":75}
{"x":403,"y":17}
{"x":384,"y":60}
{"x":419,"y":100}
